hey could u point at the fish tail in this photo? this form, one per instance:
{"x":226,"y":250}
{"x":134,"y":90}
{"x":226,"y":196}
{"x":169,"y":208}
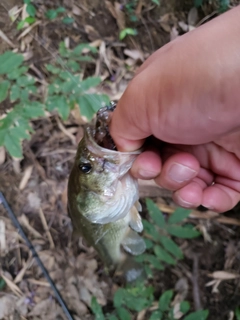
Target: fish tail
{"x":130,"y":270}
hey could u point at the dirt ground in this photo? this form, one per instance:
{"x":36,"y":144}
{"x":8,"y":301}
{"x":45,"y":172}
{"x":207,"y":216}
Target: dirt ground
{"x":35,"y":186}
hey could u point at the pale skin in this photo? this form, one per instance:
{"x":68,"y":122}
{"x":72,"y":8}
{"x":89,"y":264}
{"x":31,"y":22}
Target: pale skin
{"x":187,"y":94}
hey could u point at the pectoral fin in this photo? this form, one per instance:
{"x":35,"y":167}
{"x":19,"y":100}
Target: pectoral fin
{"x":133,"y":243}
{"x":136,"y":220}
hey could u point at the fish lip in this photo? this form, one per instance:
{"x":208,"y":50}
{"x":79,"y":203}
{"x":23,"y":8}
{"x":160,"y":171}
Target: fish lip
{"x":94,"y":146}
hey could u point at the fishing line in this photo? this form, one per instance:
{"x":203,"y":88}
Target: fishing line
{"x":35,"y":255}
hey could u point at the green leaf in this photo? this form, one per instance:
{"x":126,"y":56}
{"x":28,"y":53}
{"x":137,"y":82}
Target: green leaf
{"x":14,"y":93}
{"x":112,"y":317}
{"x":30,"y":20}
{"x":67,"y":20}
{"x":86,"y":107}
{"x":237,"y":313}
{"x":123,"y":314}
{"x":182,"y":232}
{"x":73,"y":65}
{"x":25,"y":81}
{"x":97,"y":309}
{"x":154,"y":262}
{"x":4,"y":86}
{"x":150,"y":229}
{"x":165,"y":300}
{"x":60,"y":104}
{"x":24,"y":94}
{"x":60,"y":9}
{"x":77,"y":51}
{"x":171,"y":246}
{"x":155,"y":213}
{"x":13,"y":145}
{"x":127,"y":32}
{"x":156,"y":315}
{"x":63,"y":50}
{"x":156,"y":2}
{"x":20,"y":24}
{"x":163,"y":255}
{"x":27,"y":1}
{"x":179,"y":215}
{"x":32,"y":109}
{"x":149,"y":243}
{"x":17,"y":73}
{"x":20,"y":133}
{"x":198,"y":315}
{"x":31,"y":10}
{"x":9,"y":61}
{"x":2,"y":284}
{"x":198,"y":3}
{"x":148,"y":271}
{"x":90,"y":82}
{"x":52,"y":69}
{"x":51,"y":14}
{"x":119,"y":298}
{"x":184,"y":306}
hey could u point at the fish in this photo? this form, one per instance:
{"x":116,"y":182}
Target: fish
{"x":103,"y":198}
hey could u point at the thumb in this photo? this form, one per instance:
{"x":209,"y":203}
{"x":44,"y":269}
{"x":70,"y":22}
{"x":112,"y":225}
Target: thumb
{"x":129,"y":126}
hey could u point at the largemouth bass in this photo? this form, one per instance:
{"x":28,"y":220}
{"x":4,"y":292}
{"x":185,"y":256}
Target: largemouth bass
{"x":103,"y":196}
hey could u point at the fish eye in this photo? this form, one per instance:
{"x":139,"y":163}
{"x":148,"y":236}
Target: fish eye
{"x":85,"y":167}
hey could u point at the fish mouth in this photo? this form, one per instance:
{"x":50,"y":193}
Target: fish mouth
{"x":92,"y":146}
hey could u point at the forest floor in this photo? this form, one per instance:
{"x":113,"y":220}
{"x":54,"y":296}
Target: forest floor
{"x":36,"y":185}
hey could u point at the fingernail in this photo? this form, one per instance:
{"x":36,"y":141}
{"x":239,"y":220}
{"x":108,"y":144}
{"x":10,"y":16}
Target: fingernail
{"x":209,"y":207}
{"x":184,"y":203}
{"x":147,"y":174}
{"x":180,"y":173}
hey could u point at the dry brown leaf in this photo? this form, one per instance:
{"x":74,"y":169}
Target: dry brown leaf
{"x":76,"y":10}
{"x":12,"y":286}
{"x":41,"y":308}
{"x":134,"y":54}
{"x":193,"y":16}
{"x":224,"y":275}
{"x":111,"y":8}
{"x":3,"y":246}
{"x":26,"y":176}
{"x":7,"y":306}
{"x":22,"y":306}
{"x":45,"y":226}
{"x":24,"y":221}
{"x":174,"y":33}
{"x":34,"y":200}
{"x":29,"y":29}
{"x":6,"y":39}
{"x":141,"y":315}
{"x":2,"y":155}
{"x":120,"y":16}
{"x":22,"y":272}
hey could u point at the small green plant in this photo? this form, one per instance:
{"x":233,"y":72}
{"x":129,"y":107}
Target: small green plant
{"x":127,"y":32}
{"x":31,"y":11}
{"x":65,"y":90}
{"x":223,"y":5}
{"x":66,"y":87}
{"x":162,"y":250}
{"x":237,"y":313}
{"x":129,"y":300}
{"x":52,"y":14}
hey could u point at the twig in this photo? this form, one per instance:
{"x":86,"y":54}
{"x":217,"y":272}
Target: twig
{"x":45,"y":226}
{"x":35,"y":255}
{"x":196,"y":295}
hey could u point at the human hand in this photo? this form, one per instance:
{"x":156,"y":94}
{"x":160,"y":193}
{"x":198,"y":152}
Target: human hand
{"x":187,"y":96}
